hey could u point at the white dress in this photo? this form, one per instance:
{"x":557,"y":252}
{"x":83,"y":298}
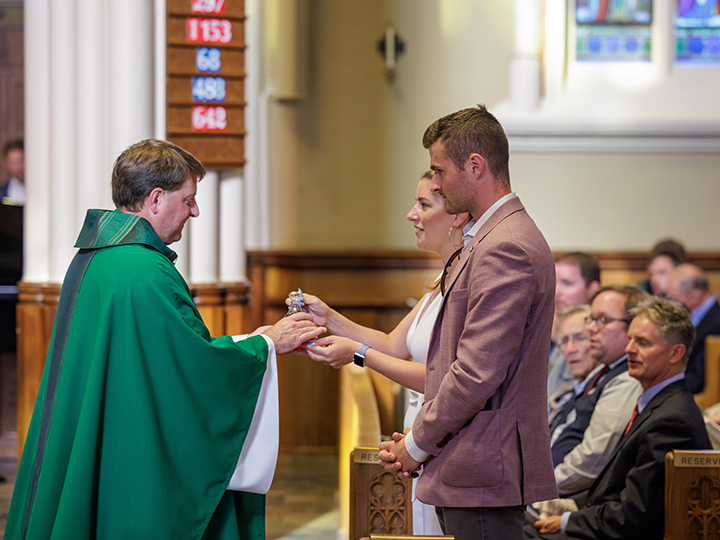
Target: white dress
{"x":425,"y":520}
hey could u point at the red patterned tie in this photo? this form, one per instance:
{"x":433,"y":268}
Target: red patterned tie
{"x":634,"y":414}
{"x":593,"y":382}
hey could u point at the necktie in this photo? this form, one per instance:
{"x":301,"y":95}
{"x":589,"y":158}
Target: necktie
{"x":634,"y":414}
{"x":593,"y":382}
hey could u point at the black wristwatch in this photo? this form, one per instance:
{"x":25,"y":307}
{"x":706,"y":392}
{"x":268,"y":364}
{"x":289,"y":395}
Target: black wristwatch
{"x":359,"y":356}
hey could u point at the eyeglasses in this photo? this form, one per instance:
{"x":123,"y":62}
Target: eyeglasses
{"x":578,"y":339}
{"x":601,"y":321}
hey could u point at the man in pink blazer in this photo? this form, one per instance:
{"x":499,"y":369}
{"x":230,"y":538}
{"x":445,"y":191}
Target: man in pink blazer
{"x":482,"y":434}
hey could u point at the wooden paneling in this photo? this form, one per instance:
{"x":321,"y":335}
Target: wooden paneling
{"x":11,"y":77}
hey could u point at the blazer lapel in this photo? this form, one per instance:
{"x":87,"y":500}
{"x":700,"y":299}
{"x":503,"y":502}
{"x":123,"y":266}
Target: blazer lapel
{"x":510,"y":207}
{"x":655,"y":402}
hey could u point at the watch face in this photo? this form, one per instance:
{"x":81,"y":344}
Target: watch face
{"x":359,"y":360}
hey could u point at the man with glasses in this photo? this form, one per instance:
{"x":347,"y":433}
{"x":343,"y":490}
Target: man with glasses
{"x":588,"y":428}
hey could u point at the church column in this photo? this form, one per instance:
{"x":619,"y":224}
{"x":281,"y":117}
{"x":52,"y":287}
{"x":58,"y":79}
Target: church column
{"x":37,"y":139}
{"x":93,"y":163}
{"x":232,"y":217}
{"x":525,"y":62}
{"x":131,"y":76}
{"x":63,"y":136}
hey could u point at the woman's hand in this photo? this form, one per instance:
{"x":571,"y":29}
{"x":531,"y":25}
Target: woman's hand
{"x":319,"y":310}
{"x":333,"y":351}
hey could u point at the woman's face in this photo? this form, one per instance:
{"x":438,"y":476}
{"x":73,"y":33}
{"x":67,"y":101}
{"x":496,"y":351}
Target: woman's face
{"x":431,"y":222}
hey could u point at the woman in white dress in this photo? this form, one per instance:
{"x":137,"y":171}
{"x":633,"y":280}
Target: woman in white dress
{"x":437,"y":231}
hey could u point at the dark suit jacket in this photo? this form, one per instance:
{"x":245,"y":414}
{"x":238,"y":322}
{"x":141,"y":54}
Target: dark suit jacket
{"x":695,"y":370}
{"x":484,"y":419}
{"x":628,"y":498}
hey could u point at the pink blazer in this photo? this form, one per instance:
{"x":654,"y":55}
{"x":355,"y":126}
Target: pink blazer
{"x":484,"y":420}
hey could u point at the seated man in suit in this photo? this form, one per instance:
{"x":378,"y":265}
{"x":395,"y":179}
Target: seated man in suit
{"x":628,"y":498}
{"x":574,"y":340}
{"x":577,"y":277}
{"x":584,"y":433}
{"x":688,"y":285}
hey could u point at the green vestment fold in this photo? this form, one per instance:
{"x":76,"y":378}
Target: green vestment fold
{"x":150,"y":412}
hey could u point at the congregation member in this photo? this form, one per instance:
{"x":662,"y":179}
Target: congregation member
{"x":689,"y":285}
{"x":13,"y":191}
{"x":481,"y":434}
{"x":574,"y":340}
{"x":577,"y":277}
{"x":587,"y":429}
{"x":143,"y":423}
{"x":665,"y":256}
{"x":628,"y":498}
{"x":435,"y":231}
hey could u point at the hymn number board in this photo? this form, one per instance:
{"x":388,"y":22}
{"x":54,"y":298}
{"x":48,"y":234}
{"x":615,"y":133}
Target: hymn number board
{"x":205,"y":79}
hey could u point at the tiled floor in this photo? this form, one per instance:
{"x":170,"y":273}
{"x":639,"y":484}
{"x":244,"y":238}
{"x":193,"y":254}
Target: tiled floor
{"x":301,"y":505}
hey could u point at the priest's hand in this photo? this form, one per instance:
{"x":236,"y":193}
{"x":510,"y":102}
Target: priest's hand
{"x":396,"y":458}
{"x":319,"y":310}
{"x":333,"y":351}
{"x":292,"y":331}
{"x":550,"y":525}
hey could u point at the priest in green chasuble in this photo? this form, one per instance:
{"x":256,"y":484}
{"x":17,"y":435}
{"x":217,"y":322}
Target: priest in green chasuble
{"x":145,"y":426}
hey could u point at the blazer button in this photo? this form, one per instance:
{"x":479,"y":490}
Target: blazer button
{"x":472,"y":247}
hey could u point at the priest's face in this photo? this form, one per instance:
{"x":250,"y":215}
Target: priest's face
{"x":174,"y":209}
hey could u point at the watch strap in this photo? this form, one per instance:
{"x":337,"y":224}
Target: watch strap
{"x":359,"y":356}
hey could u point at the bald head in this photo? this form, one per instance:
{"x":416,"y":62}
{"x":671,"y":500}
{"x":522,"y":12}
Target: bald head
{"x":688,"y":284}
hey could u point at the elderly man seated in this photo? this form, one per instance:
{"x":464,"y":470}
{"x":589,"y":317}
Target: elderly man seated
{"x":574,"y":340}
{"x":628,"y":498}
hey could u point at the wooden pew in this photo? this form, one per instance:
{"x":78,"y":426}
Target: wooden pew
{"x":692,"y":495}
{"x":711,"y":393}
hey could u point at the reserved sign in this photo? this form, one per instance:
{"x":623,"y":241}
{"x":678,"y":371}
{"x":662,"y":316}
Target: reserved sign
{"x":696,"y":458}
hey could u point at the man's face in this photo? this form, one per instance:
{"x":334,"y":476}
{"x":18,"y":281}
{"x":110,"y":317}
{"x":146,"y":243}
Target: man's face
{"x":608,"y":331}
{"x":651,"y":359}
{"x":452,"y":185}
{"x":570,"y":288}
{"x":575,"y":345}
{"x":659,"y":271}
{"x":175,"y":208}
{"x":15,"y":164}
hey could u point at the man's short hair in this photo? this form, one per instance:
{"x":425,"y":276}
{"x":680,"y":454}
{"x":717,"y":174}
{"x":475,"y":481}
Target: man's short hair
{"x":589,"y":267}
{"x":672,"y":318}
{"x":472,"y":131}
{"x":147,"y":165}
{"x":633,"y":295}
{"x":15,"y":144}
{"x":671,"y":249}
{"x":569,"y":311}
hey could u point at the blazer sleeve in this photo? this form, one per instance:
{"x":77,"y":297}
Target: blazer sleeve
{"x":491,"y":315}
{"x":642,"y":500}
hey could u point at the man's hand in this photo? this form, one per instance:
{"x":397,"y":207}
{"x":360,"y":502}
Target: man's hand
{"x":292,"y":331}
{"x":396,"y":458}
{"x":550,"y":525}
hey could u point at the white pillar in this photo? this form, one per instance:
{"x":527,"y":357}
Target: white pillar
{"x":63,"y":134}
{"x":204,"y":232}
{"x":525,"y":62}
{"x":160,"y":131}
{"x":93,"y":172}
{"x":36,"y":17}
{"x":131,"y":74}
{"x":232,"y":246}
{"x":256,"y":213}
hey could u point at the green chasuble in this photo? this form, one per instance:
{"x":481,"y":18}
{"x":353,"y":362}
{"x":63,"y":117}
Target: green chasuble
{"x":150,"y":413}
